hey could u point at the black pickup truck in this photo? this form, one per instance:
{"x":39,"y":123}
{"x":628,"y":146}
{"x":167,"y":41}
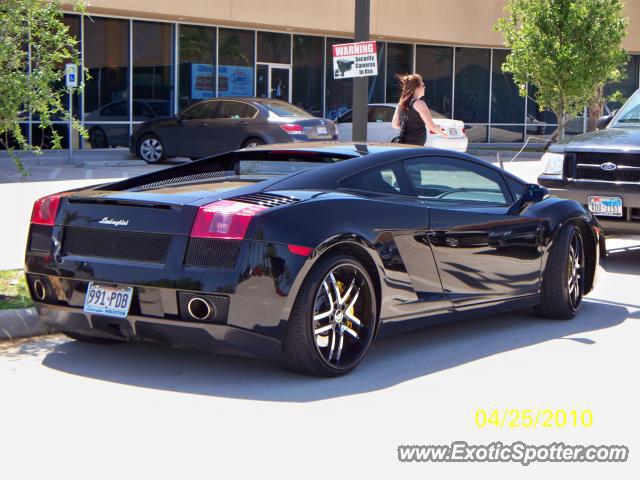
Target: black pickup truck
{"x":601,"y":169}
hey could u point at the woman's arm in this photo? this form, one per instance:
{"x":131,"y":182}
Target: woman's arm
{"x":395,"y":121}
{"x":425,"y":114}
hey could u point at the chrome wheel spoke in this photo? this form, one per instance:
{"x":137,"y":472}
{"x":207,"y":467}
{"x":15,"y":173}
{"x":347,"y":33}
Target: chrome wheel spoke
{"x":333,"y":343}
{"x":321,"y":330}
{"x":323,"y":315}
{"x":353,"y":318}
{"x":340,"y":345}
{"x":350,"y":332}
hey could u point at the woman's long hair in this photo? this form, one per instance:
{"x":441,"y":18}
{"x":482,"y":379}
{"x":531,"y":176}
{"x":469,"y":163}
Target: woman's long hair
{"x":409,"y":85}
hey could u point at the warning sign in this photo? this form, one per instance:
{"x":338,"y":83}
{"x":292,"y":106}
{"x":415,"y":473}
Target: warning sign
{"x":355,"y":60}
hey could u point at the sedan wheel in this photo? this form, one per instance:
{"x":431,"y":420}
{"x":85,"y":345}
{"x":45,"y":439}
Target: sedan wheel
{"x":564,"y":275}
{"x":151,"y":150}
{"x":333,"y":320}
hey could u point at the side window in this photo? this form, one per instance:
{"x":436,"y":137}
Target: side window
{"x":116,"y":109}
{"x":141,"y":110}
{"x":452,"y":179}
{"x":380,"y":114}
{"x":236,"y":110}
{"x":517,"y":188}
{"x":200,"y":111}
{"x":379,"y":180}
{"x":345,"y":118}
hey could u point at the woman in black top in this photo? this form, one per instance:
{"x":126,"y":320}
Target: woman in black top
{"x":413,"y":113}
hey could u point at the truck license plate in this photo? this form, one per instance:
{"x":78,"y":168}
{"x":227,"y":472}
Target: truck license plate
{"x":606,"y":206}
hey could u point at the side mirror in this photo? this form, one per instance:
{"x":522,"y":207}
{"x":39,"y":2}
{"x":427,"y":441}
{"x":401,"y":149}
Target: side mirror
{"x":534,"y":193}
{"x":603,"y":121}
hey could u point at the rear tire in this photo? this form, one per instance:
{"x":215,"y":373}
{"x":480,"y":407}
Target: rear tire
{"x":88,"y":339}
{"x":98,"y":138}
{"x":563,"y":279}
{"x":333,"y":319}
{"x":151,"y":149}
{"x":252,"y":142}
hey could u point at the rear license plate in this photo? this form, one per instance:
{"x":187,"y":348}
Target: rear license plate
{"x":453,"y":131}
{"x":321,"y":130}
{"x":108,"y":300}
{"x":606,"y":206}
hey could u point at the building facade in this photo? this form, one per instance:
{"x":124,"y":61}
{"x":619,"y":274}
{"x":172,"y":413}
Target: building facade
{"x":150,"y":60}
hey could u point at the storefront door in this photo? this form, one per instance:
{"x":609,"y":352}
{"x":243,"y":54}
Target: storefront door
{"x":273,"y":81}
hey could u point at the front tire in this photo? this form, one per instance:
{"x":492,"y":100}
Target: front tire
{"x":333,"y":319}
{"x":150,"y":149}
{"x":563,"y":280}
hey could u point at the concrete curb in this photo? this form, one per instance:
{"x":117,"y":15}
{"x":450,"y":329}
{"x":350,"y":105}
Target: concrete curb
{"x":21,"y":323}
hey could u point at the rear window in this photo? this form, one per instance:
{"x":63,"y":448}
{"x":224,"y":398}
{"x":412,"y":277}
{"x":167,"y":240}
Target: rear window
{"x":284,"y":109}
{"x":268,"y":163}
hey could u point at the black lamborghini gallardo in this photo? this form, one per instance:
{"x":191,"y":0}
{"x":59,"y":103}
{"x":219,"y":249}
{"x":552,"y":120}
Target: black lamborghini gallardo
{"x":305,"y":252}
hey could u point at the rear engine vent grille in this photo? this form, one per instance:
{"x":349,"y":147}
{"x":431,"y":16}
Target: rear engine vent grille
{"x":186,"y":180}
{"x":266,"y":199}
{"x":212,"y":253}
{"x":40,"y":238}
{"x":136,"y":246}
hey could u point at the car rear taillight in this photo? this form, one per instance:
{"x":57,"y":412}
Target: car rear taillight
{"x":292,"y":128}
{"x":45,"y":210}
{"x":224,"y":219}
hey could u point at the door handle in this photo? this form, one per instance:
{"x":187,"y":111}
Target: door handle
{"x":242,"y":123}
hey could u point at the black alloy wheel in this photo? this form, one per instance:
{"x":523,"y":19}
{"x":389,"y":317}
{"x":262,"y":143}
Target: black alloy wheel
{"x":333,"y":319}
{"x":564,"y":276}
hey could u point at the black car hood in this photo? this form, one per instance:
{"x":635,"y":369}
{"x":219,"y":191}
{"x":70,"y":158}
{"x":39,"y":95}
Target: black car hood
{"x":607,"y":140}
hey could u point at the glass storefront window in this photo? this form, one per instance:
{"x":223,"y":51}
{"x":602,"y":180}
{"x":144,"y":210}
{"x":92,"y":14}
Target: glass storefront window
{"x":399,"y":62}
{"x":307,"y":73}
{"x":339,"y":92}
{"x":627,"y":85}
{"x":507,"y":133}
{"x":152,"y":69}
{"x":534,"y":115}
{"x":471,"y":102}
{"x":435,"y":64}
{"x":507,"y":106}
{"x":196,"y":73}
{"x":106,"y":57}
{"x":274,"y":47}
{"x":236,"y":62}
{"x":376,"y":83}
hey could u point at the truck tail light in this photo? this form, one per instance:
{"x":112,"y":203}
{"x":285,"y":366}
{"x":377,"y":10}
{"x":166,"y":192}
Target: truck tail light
{"x":226,"y":219}
{"x":292,"y":128}
{"x":45,"y":210}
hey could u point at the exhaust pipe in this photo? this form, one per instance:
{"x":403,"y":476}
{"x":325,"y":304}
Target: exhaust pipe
{"x":39,"y":290}
{"x":199,"y":308}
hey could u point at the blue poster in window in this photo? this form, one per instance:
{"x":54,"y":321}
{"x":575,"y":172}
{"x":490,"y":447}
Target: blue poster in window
{"x":235,"y":81}
{"x":202,"y":81}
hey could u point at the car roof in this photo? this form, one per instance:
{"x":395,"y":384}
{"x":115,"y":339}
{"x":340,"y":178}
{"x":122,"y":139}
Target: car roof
{"x":365,"y":156}
{"x":339,"y":148}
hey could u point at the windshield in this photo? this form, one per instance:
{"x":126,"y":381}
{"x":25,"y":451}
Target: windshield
{"x":284,"y":109}
{"x":629,"y":114}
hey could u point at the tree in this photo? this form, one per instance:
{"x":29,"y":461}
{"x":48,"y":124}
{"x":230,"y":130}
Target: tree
{"x":568,"y":49}
{"x":33,"y":29}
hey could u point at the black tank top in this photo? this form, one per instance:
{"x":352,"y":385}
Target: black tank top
{"x":415,"y":133}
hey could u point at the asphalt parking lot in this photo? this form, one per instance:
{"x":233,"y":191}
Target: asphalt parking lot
{"x":73,"y":410}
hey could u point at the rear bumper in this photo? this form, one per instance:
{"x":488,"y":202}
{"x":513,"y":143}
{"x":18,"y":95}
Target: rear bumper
{"x":456,"y":144}
{"x":629,"y":223}
{"x":223,"y":339}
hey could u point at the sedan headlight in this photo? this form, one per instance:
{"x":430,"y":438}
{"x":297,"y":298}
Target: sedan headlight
{"x":553,"y":163}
